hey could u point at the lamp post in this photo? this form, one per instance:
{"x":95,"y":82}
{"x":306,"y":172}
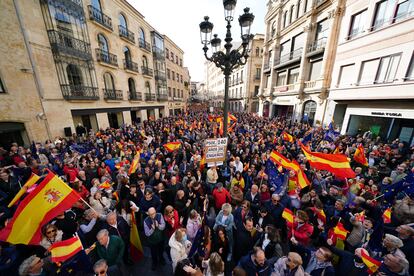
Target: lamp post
{"x":230,"y":59}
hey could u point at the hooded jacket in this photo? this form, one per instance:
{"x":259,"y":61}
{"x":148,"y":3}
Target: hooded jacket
{"x":179,"y":250}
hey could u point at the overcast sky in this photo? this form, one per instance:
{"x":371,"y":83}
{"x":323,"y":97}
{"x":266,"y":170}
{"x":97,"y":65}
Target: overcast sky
{"x":179,"y":19}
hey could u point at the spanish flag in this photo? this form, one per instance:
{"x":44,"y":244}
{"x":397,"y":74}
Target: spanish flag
{"x":105,"y":185}
{"x":172,"y":146}
{"x":386,"y":216}
{"x":232,"y":117}
{"x":359,"y":156}
{"x":64,"y":250}
{"x":320,"y":214}
{"x":370,"y":262}
{"x":202,"y":162}
{"x":360,"y":216}
{"x":287,"y":214}
{"x":135,"y":245}
{"x":134,"y":164}
{"x":29,"y":183}
{"x":50,"y":198}
{"x":280,"y":160}
{"x":340,"y":231}
{"x":116,"y":196}
{"x":337,"y":164}
{"x":287,"y":137}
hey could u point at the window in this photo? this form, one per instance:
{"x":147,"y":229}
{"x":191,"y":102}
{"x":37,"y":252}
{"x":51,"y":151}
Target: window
{"x":174,"y":92}
{"x":122,"y":21}
{"x":284,"y":49}
{"x":96,"y":4}
{"x":257,"y":51}
{"x":408,"y":76}
{"x":256,"y":90}
{"x":127,"y":55}
{"x":404,"y":9}
{"x":168,"y":74}
{"x":176,"y":59}
{"x":297,"y":45}
{"x":357,"y":24}
{"x":173,"y":75}
{"x":292,"y":9}
{"x":293,"y":75}
{"x":315,"y":70}
{"x":109,"y":82}
{"x":281,"y":78}
{"x":169,"y":91}
{"x":368,"y":71}
{"x":142,"y":34}
{"x":258,"y":73}
{"x":144,"y":62}
{"x":103,"y":43}
{"x":147,"y":88}
{"x":388,"y":68}
{"x":167,"y":53}
{"x":131,"y":86}
{"x":181,"y":77}
{"x":382,"y":13}
{"x":274,"y":24}
{"x":2,"y":89}
{"x":181,"y":62}
{"x":322,"y":29}
{"x":74,"y":75}
{"x":299,"y":7}
{"x":285,"y":15}
{"x":346,"y":76}
{"x":241,"y":92}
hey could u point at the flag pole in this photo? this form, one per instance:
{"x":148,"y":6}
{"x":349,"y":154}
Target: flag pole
{"x":88,"y":205}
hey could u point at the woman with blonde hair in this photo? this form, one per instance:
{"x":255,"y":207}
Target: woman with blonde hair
{"x":51,"y":234}
{"x":213,"y":266}
{"x":180,"y":246}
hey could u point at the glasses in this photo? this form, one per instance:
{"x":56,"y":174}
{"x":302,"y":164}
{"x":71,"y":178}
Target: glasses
{"x":51,"y":231}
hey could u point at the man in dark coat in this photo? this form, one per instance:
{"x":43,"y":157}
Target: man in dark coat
{"x":245,"y":238}
{"x":255,"y":264}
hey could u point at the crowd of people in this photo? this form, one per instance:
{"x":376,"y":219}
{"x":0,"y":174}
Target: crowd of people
{"x":211,"y":219}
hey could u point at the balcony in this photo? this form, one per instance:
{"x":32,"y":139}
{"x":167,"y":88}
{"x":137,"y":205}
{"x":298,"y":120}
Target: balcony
{"x":99,"y":17}
{"x":66,"y":44}
{"x":294,"y":55}
{"x":158,"y":53}
{"x":310,"y":84}
{"x":106,"y":57}
{"x":146,"y":71}
{"x":149,"y":97}
{"x":112,"y":94}
{"x":266,"y":67}
{"x":257,"y":77}
{"x":134,"y":96}
{"x":317,"y":46}
{"x":131,"y":66}
{"x":79,"y":92}
{"x":126,"y":34}
{"x":160,"y":75}
{"x":144,"y":45}
{"x":162,"y":97}
{"x":284,"y":88}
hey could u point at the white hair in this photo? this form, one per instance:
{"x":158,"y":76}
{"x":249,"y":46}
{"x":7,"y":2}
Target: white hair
{"x":26,"y":265}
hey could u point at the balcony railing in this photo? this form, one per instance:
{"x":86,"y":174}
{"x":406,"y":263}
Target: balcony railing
{"x":134,"y":96}
{"x":159,"y":75}
{"x":317,"y":45}
{"x":289,"y":56}
{"x":266,"y":66}
{"x":318,"y":2}
{"x":112,"y":94}
{"x":162,"y":97}
{"x":99,"y":17}
{"x":79,"y":92}
{"x":127,"y":34}
{"x":157,"y":52}
{"x":257,"y":77}
{"x":149,"y":97}
{"x":355,"y":33}
{"x":147,"y":71}
{"x":63,"y":43}
{"x":144,"y":45}
{"x":310,"y":84}
{"x":130,"y":65}
{"x":106,"y":57}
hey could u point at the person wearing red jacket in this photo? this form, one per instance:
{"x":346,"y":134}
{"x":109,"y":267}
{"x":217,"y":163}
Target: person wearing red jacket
{"x":172,"y":220}
{"x":221,"y":196}
{"x":70,"y":171}
{"x":302,"y":230}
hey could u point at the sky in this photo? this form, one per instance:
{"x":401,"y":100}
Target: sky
{"x":180,"y":19}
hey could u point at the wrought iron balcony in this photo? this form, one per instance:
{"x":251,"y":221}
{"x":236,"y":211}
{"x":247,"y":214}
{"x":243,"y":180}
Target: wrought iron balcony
{"x":162,"y":97}
{"x":79,"y":92}
{"x":159,"y":75}
{"x":147,"y":71}
{"x":144,"y":45}
{"x":127,"y":34}
{"x":317,"y":45}
{"x":134,"y":96}
{"x":130,"y":65}
{"x":266,"y":66}
{"x":99,"y":17}
{"x":157,"y":52}
{"x":289,"y":56}
{"x":106,"y":57}
{"x":66,"y":44}
{"x":149,"y":97}
{"x":112,"y":94}
{"x":257,"y":77}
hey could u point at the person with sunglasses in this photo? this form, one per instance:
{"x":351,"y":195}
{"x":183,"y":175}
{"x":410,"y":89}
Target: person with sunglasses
{"x":100,"y":268}
{"x":51,"y":234}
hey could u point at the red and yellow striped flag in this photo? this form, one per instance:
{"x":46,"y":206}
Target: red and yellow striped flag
{"x":202,"y":162}
{"x":232,"y":117}
{"x":287,"y":137}
{"x":136,"y":249}
{"x":105,"y":185}
{"x":340,"y":231}
{"x":134,"y":164}
{"x":172,"y":146}
{"x":116,"y":196}
{"x":320,"y":214}
{"x":337,"y":164}
{"x":49,"y":199}
{"x":64,"y":250}
{"x":372,"y":264}
{"x":287,"y":214}
{"x":359,"y":156}
{"x":280,"y":160}
{"x":29,"y":183}
{"x":386,"y":216}
{"x":360,"y":216}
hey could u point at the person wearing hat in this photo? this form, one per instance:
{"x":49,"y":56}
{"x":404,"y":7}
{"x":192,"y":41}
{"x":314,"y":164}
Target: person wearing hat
{"x":302,"y":230}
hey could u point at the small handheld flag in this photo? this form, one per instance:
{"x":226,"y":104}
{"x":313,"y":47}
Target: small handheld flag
{"x":386,"y":216}
{"x":372,"y":264}
{"x":340,"y":231}
{"x":64,"y":250}
{"x":287,"y":214}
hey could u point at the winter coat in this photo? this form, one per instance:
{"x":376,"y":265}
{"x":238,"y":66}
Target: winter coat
{"x":179,"y":250}
{"x":46,"y":243}
{"x":101,"y":206}
{"x":228,"y":223}
{"x":302,"y":234}
{"x":280,"y":268}
{"x":192,"y":227}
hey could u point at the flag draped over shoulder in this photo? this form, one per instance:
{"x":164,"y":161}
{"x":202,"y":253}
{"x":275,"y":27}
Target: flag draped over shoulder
{"x":337,"y":164}
{"x":136,"y":249}
{"x":359,"y":156}
{"x":29,"y":183}
{"x":50,"y":198}
{"x":172,"y":146}
{"x":290,"y":165}
{"x":64,"y":250}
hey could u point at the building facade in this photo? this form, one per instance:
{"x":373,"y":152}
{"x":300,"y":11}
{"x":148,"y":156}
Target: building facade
{"x":299,"y":49}
{"x":373,"y":80}
{"x":94,"y":62}
{"x":213,"y":85}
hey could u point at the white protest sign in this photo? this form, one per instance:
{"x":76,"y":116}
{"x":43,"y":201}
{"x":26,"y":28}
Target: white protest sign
{"x":215,"y":150}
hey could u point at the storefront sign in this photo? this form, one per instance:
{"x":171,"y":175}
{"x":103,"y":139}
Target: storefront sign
{"x":215,"y":150}
{"x":387,"y":114}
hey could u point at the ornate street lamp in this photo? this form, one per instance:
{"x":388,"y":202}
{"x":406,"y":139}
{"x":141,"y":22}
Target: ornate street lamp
{"x":229,"y":59}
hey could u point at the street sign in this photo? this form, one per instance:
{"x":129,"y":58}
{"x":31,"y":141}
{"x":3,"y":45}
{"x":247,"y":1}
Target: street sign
{"x":215,"y":150}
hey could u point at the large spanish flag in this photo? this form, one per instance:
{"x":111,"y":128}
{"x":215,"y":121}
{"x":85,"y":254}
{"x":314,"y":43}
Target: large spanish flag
{"x":64,"y":250}
{"x":29,"y":183}
{"x":172,"y":146}
{"x":49,"y":199}
{"x":337,"y":164}
{"x":359,"y":156}
{"x":280,"y":160}
{"x":370,"y":262}
{"x":287,"y":214}
{"x":287,"y":137}
{"x":134,"y":164}
{"x":137,"y":251}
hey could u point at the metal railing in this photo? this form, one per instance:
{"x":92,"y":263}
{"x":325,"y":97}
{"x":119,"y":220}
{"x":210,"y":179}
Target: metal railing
{"x":257,"y":77}
{"x":134,"y":96}
{"x":355,"y":33}
{"x":266,"y":66}
{"x":317,"y":45}
{"x":157,"y":52}
{"x":289,"y":56}
{"x":79,"y":92}
{"x":147,"y":71}
{"x":144,"y":45}
{"x":127,"y":34}
{"x":130,"y":65}
{"x":106,"y":57}
{"x":99,"y":17}
{"x":61,"y":42}
{"x":112,"y":94}
{"x":160,"y":75}
{"x":310,"y":84}
{"x":389,"y":21}
{"x":162,"y":97}
{"x":150,"y":97}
